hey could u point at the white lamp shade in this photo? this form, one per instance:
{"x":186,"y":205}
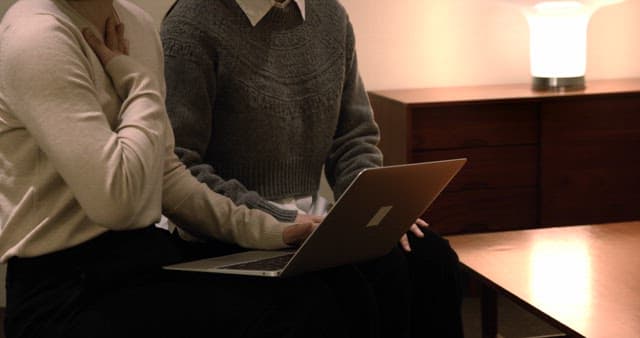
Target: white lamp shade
{"x":558,"y":38}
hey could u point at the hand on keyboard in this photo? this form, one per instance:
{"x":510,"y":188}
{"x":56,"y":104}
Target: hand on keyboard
{"x":295,"y":234}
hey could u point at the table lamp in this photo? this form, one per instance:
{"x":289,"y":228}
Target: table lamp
{"x":558,"y":41}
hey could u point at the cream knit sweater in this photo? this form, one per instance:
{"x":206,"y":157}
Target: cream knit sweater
{"x":85,"y":150}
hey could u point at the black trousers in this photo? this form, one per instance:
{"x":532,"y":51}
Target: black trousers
{"x":418,"y":293}
{"x":415,"y":294}
{"x":353,"y":293}
{"x":112,"y":286}
{"x":436,"y":287}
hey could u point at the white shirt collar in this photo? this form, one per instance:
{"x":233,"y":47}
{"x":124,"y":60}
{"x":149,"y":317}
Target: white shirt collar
{"x":255,"y":10}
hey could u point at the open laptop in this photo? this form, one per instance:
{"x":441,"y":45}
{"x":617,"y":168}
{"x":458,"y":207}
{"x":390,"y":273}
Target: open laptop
{"x":366,"y":222}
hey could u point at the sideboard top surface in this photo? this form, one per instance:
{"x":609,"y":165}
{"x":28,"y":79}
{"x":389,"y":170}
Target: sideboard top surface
{"x":509,"y":92}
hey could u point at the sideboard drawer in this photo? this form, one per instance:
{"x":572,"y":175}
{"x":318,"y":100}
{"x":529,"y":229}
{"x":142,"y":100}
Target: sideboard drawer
{"x":483,"y":210}
{"x":474,"y":125}
{"x":490,"y":167}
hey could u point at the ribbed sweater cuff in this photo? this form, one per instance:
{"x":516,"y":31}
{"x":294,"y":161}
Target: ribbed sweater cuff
{"x":274,"y":178}
{"x":282,"y":215}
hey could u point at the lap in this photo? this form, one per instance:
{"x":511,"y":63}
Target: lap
{"x":428,"y":255}
{"x":199,"y":305}
{"x":431,"y":247}
{"x":104,"y":289}
{"x":418,"y":292}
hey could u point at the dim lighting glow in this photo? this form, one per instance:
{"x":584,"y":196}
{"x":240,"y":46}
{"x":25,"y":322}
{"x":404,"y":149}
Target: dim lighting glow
{"x":561,"y":277}
{"x":558,"y":7}
{"x":558,"y":41}
{"x":558,"y":35}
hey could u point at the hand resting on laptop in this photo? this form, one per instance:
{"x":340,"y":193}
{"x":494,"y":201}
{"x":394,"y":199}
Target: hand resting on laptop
{"x":295,"y":234}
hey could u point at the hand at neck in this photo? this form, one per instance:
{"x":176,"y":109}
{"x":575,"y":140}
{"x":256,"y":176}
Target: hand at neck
{"x":96,"y":11}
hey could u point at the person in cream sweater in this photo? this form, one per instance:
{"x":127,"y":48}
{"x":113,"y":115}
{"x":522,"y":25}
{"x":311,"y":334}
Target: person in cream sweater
{"x":87,"y":166}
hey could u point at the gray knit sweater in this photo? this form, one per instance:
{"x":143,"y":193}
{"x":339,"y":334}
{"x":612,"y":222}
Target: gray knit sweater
{"x":257,"y":111}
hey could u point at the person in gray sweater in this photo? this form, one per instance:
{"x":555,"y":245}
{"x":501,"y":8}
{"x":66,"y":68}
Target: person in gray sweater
{"x":264,"y":94}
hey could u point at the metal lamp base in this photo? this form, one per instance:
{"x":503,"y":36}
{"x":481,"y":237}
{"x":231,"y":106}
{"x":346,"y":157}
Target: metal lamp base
{"x":558,"y":84}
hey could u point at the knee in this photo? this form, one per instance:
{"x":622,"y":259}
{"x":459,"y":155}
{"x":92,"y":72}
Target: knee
{"x":435,"y":265}
{"x":306,"y":292}
{"x":311,"y":308}
{"x":432,"y":248}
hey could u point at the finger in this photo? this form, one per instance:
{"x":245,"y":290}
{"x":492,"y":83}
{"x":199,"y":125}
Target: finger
{"x":91,"y":39}
{"x":303,"y":231}
{"x":98,"y":47}
{"x":111,"y":36}
{"x":404,"y":242}
{"x":297,"y":233}
{"x":422,"y":223}
{"x":122,"y":41}
{"x":120,"y":31}
{"x":416,"y":231}
{"x":300,"y":231}
{"x":306,"y":230}
{"x":125,"y":49}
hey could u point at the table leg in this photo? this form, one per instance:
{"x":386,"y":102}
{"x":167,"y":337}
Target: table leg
{"x":489,"y":312}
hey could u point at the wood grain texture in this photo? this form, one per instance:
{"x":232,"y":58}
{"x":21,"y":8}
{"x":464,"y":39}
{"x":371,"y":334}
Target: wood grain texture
{"x":431,"y":97}
{"x":483,"y":210}
{"x":590,"y":161}
{"x":476,"y":125}
{"x":582,"y":279}
{"x":535,"y":158}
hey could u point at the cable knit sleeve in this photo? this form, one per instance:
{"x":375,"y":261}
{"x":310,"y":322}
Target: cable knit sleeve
{"x":204,"y":213}
{"x":355,"y":141}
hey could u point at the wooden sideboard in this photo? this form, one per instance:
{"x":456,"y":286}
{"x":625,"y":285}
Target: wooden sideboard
{"x":535,"y":158}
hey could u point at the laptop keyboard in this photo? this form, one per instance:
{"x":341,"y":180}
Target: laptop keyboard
{"x":267,"y":264}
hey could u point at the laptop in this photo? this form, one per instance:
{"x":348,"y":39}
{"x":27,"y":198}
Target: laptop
{"x":366,"y":222}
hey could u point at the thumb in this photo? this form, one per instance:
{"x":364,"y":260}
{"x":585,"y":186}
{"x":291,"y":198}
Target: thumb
{"x":101,"y":50}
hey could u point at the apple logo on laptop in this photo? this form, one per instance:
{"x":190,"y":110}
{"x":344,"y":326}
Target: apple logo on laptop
{"x":379,"y":216}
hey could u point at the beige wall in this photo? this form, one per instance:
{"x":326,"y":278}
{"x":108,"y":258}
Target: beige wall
{"x":418,"y":43}
{"x":465,"y":42}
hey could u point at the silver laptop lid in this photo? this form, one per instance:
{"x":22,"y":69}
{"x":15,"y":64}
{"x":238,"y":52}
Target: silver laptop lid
{"x":373,"y":213}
